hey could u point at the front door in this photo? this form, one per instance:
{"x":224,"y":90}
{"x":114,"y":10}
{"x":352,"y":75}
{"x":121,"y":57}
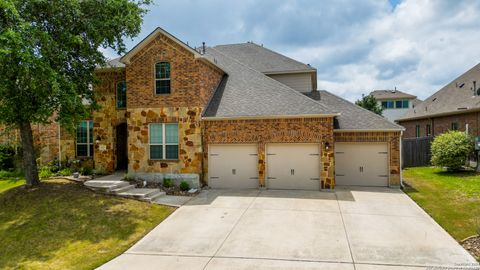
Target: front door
{"x":122,"y":157}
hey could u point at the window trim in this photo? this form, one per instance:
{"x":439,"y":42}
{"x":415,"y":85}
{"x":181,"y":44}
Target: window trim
{"x":417,"y":131}
{"x":428,"y":130}
{"x":161,"y":79}
{"x":116,"y":95}
{"x":456,"y":126}
{"x":164,"y":143}
{"x":88,"y":143}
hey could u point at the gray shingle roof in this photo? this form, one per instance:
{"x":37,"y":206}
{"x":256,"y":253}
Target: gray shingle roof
{"x":112,"y":63}
{"x":246,"y":92}
{"x":262,"y":59}
{"x":390,"y":94}
{"x":455,"y":97}
{"x":354,"y":117}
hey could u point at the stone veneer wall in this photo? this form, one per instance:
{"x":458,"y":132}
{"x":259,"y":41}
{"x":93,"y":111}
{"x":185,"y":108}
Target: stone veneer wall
{"x":106,"y":119}
{"x":393,"y":140}
{"x":263,"y":131}
{"x":189,"y":132}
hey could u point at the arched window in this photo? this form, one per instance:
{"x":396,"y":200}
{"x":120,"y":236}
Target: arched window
{"x":121,"y":95}
{"x":162,"y":78}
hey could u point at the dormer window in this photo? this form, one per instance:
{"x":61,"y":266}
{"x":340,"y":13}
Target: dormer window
{"x":162,"y":78}
{"x":121,"y":93}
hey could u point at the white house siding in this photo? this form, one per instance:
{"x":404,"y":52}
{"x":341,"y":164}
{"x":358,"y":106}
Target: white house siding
{"x":301,"y":82}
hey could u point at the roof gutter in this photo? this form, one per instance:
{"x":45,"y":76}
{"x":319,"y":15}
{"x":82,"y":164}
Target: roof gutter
{"x":210,"y":118}
{"x":369,"y":130}
{"x":290,"y":71}
{"x":439,"y":114}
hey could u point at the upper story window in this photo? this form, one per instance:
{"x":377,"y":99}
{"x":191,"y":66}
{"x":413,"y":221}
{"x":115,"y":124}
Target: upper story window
{"x":121,"y":95}
{"x":85,"y":139}
{"x":397,"y":104}
{"x":417,"y":131}
{"x":163,"y":141}
{"x":388,"y":104}
{"x":162,"y":78}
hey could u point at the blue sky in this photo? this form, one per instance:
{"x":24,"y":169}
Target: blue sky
{"x":356,"y":46}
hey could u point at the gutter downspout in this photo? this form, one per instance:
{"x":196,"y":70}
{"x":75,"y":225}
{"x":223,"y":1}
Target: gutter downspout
{"x":401,"y":161}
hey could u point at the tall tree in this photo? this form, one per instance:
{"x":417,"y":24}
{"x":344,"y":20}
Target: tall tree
{"x":370,"y":103}
{"x":49,"y":50}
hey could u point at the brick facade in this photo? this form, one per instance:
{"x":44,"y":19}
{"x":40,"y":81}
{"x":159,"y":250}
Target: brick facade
{"x":264,"y":131}
{"x":442,"y":124}
{"x":393,"y":140}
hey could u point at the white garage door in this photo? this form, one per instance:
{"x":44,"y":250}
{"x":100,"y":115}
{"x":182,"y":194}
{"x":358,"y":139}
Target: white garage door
{"x":361,"y":164}
{"x":233,"y":166}
{"x":293,"y":166}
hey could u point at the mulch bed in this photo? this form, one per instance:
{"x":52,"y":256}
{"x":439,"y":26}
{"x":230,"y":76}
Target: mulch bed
{"x":472,"y":244}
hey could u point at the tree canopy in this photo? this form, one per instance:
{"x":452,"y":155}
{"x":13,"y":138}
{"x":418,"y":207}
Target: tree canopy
{"x":370,"y":103}
{"x":49,"y":50}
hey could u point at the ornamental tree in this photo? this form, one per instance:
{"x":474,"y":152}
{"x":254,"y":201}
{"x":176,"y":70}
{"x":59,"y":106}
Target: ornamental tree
{"x":49,"y":50}
{"x":451,"y":149}
{"x":370,"y":103}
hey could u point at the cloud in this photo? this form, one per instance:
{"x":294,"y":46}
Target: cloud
{"x":356,"y":46}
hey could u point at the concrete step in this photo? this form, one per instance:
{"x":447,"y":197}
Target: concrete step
{"x":154,"y":196}
{"x":105,"y":186}
{"x":122,"y":189}
{"x":139,"y":193}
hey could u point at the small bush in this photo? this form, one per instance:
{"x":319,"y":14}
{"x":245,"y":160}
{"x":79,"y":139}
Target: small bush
{"x":451,"y":149}
{"x":45,"y":172}
{"x":65,"y":172}
{"x":9,"y":174}
{"x":86,"y":170}
{"x":184,"y":186}
{"x":99,"y":171}
{"x":7,"y":157}
{"x":167,"y":183}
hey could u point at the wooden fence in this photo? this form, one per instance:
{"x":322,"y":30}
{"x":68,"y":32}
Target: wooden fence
{"x":416,"y":152}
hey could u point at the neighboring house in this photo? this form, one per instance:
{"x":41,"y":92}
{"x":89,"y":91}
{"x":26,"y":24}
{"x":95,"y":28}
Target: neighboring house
{"x":395,"y":103}
{"x":234,"y":116}
{"x":456,"y":106}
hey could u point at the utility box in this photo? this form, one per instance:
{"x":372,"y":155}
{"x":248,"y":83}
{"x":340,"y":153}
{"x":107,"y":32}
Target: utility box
{"x":477,"y":143}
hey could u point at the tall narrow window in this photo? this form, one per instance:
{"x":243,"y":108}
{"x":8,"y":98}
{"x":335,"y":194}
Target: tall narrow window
{"x":398,"y":104}
{"x":417,"y":131}
{"x":405,"y":104}
{"x":454,"y":126}
{"x":428,"y":130}
{"x":163,"y":141}
{"x":162,"y":78}
{"x":121,"y":95}
{"x":85,"y":139}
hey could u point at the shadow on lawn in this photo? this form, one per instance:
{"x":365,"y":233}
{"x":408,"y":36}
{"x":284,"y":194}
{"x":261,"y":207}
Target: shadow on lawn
{"x":36,"y":224}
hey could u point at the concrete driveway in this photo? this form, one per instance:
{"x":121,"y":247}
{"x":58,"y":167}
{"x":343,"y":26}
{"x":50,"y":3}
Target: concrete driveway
{"x":351,"y":228}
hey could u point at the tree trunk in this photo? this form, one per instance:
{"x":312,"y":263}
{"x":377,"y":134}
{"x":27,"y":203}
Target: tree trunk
{"x":29,"y":162}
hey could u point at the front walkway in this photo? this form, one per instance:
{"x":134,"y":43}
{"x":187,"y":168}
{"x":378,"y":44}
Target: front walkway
{"x":362,"y":228}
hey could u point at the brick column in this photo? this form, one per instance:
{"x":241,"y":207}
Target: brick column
{"x":261,"y":164}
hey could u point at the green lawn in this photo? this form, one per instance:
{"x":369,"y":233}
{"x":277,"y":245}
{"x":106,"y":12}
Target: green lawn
{"x":61,"y":225}
{"x":10,"y":183}
{"x":452,"y":199}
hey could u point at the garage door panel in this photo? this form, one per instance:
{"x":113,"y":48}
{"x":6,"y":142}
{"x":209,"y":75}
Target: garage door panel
{"x":233,"y":166}
{"x":293,"y":166}
{"x":361,"y":164}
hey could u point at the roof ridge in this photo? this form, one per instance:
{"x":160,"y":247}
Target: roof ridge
{"x":359,"y":107}
{"x":273,"y":80}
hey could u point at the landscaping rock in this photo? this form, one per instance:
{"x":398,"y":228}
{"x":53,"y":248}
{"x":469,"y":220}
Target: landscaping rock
{"x":472,"y":244}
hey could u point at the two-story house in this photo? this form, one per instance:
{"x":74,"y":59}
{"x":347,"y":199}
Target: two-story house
{"x":395,"y":103}
{"x":234,"y":116}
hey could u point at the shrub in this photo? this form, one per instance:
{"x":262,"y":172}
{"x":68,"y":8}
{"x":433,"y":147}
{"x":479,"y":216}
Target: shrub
{"x":45,"y":172}
{"x":99,"y":171}
{"x":451,"y":149}
{"x":184,"y":186}
{"x":9,"y":174}
{"x":7,"y":157}
{"x":167,"y":183}
{"x":86,"y":170}
{"x":65,"y":172}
